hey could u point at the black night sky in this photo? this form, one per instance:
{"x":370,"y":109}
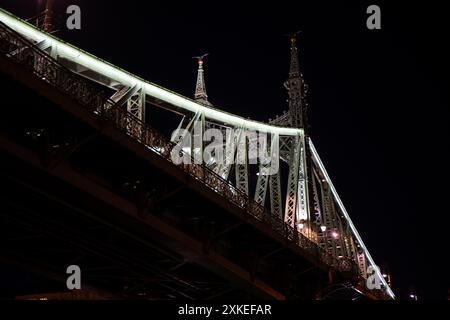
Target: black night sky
{"x":378,"y":105}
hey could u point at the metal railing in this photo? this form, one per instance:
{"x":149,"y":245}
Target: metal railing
{"x":17,"y":48}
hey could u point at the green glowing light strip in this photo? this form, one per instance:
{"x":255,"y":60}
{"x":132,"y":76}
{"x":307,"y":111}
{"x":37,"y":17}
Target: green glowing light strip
{"x":346,"y":215}
{"x":102,"y":67}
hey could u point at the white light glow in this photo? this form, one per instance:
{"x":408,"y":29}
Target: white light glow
{"x":106,"y":69}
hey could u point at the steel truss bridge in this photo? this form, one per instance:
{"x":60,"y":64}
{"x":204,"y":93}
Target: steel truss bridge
{"x":241,"y":230}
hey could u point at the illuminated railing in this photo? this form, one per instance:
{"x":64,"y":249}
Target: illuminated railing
{"x":19,"y":49}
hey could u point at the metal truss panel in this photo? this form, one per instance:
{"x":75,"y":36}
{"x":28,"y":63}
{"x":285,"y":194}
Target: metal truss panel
{"x":317,"y":219}
{"x":353,"y":248}
{"x":186,"y":126}
{"x":320,"y":166}
{"x":334,"y":236}
{"x":241,"y":167}
{"x":302,"y":192}
{"x":328,"y":220}
{"x":296,"y":208}
{"x":283,"y":121}
{"x":124,"y":94}
{"x":136,"y":105}
{"x":285,"y":148}
{"x":291,"y":196}
{"x":340,"y":239}
{"x":264,"y":172}
{"x":276,"y":205}
{"x":198,"y":142}
{"x":223,"y":129}
{"x":232,"y":139}
{"x":362,"y":264}
{"x":261,"y":184}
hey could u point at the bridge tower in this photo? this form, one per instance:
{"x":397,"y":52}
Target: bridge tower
{"x":297,"y":89}
{"x":200,"y":88}
{"x":45,"y":18}
{"x":310,"y":203}
{"x":297,"y":208}
{"x":48,"y":16}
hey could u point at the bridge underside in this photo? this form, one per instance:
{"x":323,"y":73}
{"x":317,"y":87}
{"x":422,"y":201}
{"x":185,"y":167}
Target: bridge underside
{"x":79,"y":191}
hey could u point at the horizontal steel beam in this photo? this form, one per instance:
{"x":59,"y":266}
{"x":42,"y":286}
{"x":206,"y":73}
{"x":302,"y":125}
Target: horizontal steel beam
{"x":80,"y":57}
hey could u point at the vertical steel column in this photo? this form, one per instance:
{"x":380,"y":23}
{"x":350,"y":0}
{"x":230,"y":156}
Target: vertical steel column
{"x":292,"y":196}
{"x":135,"y":106}
{"x":303,"y":202}
{"x":276,"y":205}
{"x":327,"y":219}
{"x":297,"y":192}
{"x":275,"y":181}
{"x":264,"y":171}
{"x":241,"y":167}
{"x":232,"y":138}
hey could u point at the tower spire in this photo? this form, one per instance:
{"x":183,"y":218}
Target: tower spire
{"x":200,"y":88}
{"x":294,"y":70}
{"x":296,"y":88}
{"x":45,"y":18}
{"x":48,"y":16}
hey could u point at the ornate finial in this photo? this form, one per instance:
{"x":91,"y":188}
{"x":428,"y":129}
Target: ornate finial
{"x":294,"y":38}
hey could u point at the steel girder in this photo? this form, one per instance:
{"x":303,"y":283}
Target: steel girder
{"x":241,"y":166}
{"x":136,"y":105}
